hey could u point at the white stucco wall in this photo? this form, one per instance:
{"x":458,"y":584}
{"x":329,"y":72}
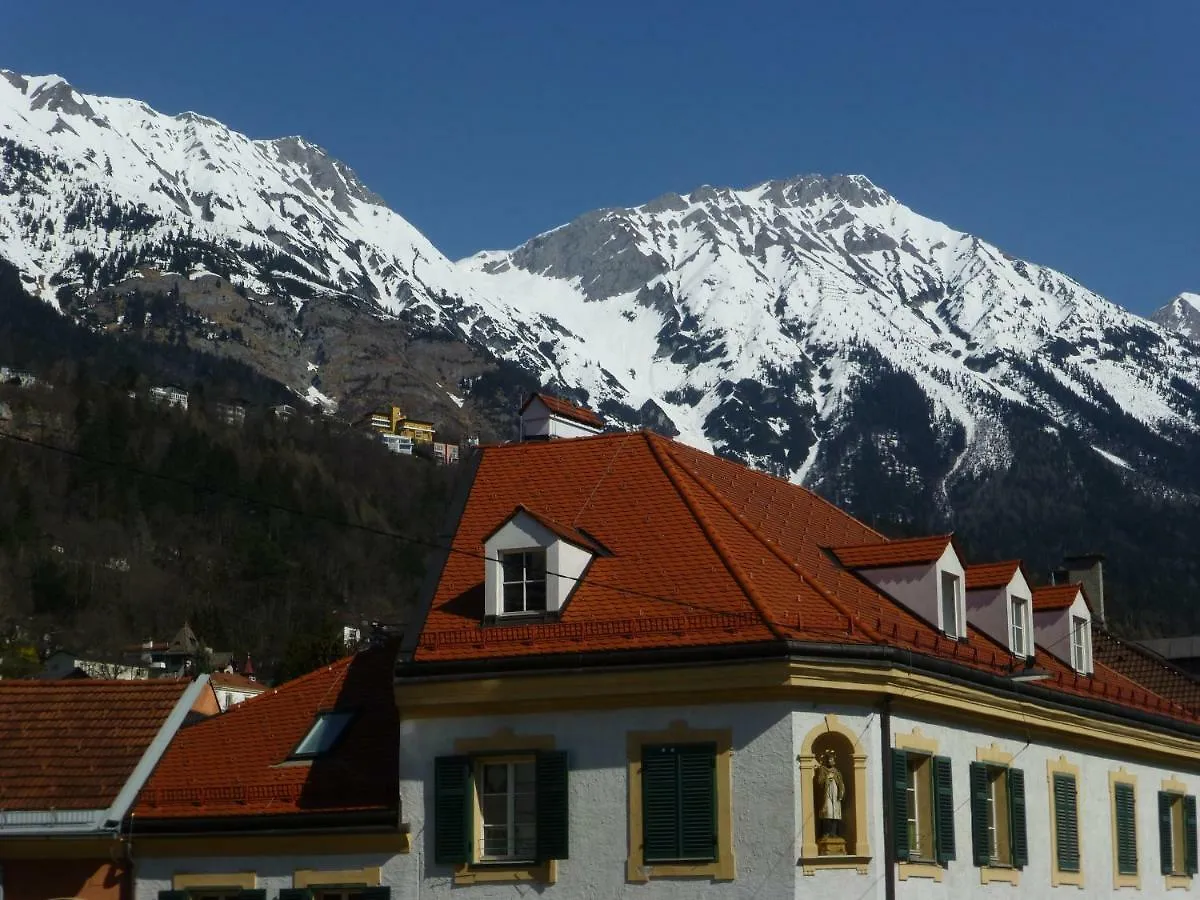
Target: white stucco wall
{"x":538,"y":421}
{"x":990,"y":610}
{"x":919,"y":587}
{"x":152,"y":875}
{"x":962,"y":877}
{"x":764,"y":774}
{"x":1054,"y":629}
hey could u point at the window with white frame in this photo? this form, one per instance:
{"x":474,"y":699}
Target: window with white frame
{"x":508,"y":810}
{"x":524,"y":587}
{"x":951,"y":601}
{"x":1080,"y":639}
{"x":1019,"y":627}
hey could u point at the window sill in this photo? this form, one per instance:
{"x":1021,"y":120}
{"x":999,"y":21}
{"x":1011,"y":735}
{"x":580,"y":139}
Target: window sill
{"x":932,"y":870}
{"x":1127,"y":881}
{"x":1007,"y":874}
{"x":717,"y":870}
{"x":484,"y":873}
{"x":1178,"y":882}
{"x":1059,"y":878}
{"x":813,"y":864}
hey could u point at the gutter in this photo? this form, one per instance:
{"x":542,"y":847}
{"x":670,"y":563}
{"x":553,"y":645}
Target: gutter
{"x":246,"y":825}
{"x":166,"y":733}
{"x":866,"y":654}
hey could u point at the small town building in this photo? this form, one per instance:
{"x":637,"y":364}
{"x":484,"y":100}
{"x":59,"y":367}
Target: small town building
{"x":291,"y":794}
{"x":73,"y":757}
{"x":544,"y":416}
{"x":171,"y":395}
{"x":232,"y":412}
{"x":233,"y":688}
{"x":63,"y":664}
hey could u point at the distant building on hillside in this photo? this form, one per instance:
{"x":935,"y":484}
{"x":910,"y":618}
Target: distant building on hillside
{"x":18,"y":377}
{"x":170,"y":395}
{"x":65,"y":664}
{"x":399,"y":433}
{"x":544,"y":417}
{"x":233,"y":688}
{"x":445,"y":454}
{"x":184,"y":654}
{"x":232,"y":412}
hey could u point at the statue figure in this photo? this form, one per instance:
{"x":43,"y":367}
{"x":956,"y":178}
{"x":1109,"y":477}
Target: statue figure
{"x":831,"y":792}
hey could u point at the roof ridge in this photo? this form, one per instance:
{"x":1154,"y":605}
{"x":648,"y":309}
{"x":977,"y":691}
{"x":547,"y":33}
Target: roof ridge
{"x":711,"y":535}
{"x":777,"y":551}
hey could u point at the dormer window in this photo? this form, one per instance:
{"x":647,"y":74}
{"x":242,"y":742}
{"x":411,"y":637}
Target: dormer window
{"x":1019,"y":627}
{"x":524,"y":574}
{"x":1081,"y":644}
{"x":951,"y":604}
{"x":324,"y":734}
{"x":532,"y":564}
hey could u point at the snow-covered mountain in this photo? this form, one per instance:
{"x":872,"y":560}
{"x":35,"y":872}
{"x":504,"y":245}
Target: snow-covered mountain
{"x":1182,"y":314}
{"x":816,"y":327}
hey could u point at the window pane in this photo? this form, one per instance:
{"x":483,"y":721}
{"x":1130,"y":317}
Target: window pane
{"x":495,"y":778}
{"x":535,"y":566}
{"x":513,"y":565}
{"x":514,"y":597}
{"x":495,"y":841}
{"x":535,"y":595}
{"x":525,"y":846}
{"x":325,"y":731}
{"x":950,"y":604}
{"x":494,"y":808}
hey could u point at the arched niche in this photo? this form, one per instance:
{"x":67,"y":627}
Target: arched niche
{"x":851,"y":760}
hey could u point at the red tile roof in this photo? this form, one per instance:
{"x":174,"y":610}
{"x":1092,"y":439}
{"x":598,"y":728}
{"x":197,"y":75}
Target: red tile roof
{"x":572,"y":535}
{"x":236,"y":764}
{"x":74,"y":744}
{"x":704,"y":553}
{"x":882,"y":553}
{"x":1148,"y":669}
{"x":234,"y":681}
{"x":991,"y":575}
{"x":1055,"y":596}
{"x":566,"y":409}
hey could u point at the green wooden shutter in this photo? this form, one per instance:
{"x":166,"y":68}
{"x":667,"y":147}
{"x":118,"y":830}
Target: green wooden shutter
{"x":1165,"y":850}
{"x":1189,"y":835}
{"x":943,"y":810}
{"x":1066,"y":824}
{"x":981,"y":850}
{"x":172,"y":895}
{"x":254,"y":894}
{"x":452,"y":809}
{"x":899,"y":795}
{"x":660,"y":805}
{"x":295,"y":894}
{"x":698,"y":802}
{"x":1125,"y":811}
{"x":1018,"y":838}
{"x":552,"y":815}
{"x":375,"y":893}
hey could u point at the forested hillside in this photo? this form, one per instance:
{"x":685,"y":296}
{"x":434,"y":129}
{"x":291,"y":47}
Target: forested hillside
{"x":146,"y":516}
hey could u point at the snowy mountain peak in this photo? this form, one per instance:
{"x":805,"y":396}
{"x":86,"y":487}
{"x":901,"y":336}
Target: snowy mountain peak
{"x":1182,"y":315}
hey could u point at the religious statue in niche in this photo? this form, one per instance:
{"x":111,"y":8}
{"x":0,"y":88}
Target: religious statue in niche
{"x":829,"y":794}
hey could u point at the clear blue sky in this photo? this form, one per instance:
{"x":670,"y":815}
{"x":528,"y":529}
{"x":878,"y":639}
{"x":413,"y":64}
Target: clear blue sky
{"x":1067,"y":132}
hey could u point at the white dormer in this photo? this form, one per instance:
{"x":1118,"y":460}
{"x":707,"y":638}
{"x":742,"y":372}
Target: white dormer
{"x":925,"y":575}
{"x":544,"y":417}
{"x":1063,"y":618}
{"x":1000,"y":604}
{"x":532,"y":564}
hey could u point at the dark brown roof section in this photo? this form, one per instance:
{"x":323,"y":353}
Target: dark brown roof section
{"x":1147,"y":668}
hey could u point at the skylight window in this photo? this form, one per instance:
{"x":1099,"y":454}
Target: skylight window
{"x":324,"y":734}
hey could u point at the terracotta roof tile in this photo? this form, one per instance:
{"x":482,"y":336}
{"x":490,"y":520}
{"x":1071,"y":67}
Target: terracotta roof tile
{"x":1055,"y":596}
{"x":1146,"y":668}
{"x":236,"y":682}
{"x":906,"y":552}
{"x":566,"y":409}
{"x":704,"y":552}
{"x":73,"y":744}
{"x":236,"y":763}
{"x":991,"y":575}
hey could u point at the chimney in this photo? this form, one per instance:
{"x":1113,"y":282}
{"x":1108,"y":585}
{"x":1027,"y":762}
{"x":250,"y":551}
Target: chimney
{"x":1088,"y":568}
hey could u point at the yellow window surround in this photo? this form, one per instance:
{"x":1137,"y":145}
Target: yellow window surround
{"x":916,"y":741}
{"x":186,"y":881}
{"x":860,"y":853}
{"x":1177,"y":880}
{"x":504,"y":742}
{"x":1121,"y":880}
{"x":368,"y":876}
{"x":723,"y":868}
{"x":993,"y":755}
{"x":1058,"y":877}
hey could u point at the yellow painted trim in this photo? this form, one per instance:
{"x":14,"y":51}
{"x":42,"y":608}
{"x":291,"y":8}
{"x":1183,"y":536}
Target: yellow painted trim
{"x":907,"y":870}
{"x":1114,"y":778}
{"x":723,"y":868}
{"x":1173,"y":785}
{"x":243,"y":881}
{"x":783,"y":680}
{"x":915,"y":740}
{"x":504,"y":740}
{"x":1006,"y":874}
{"x":808,"y":768}
{"x":396,"y":842}
{"x":1177,"y":882}
{"x":367,"y":876}
{"x":1058,"y":877}
{"x":487,"y":873}
{"x":502,"y":745}
{"x":813,"y":865}
{"x":993,"y":755}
